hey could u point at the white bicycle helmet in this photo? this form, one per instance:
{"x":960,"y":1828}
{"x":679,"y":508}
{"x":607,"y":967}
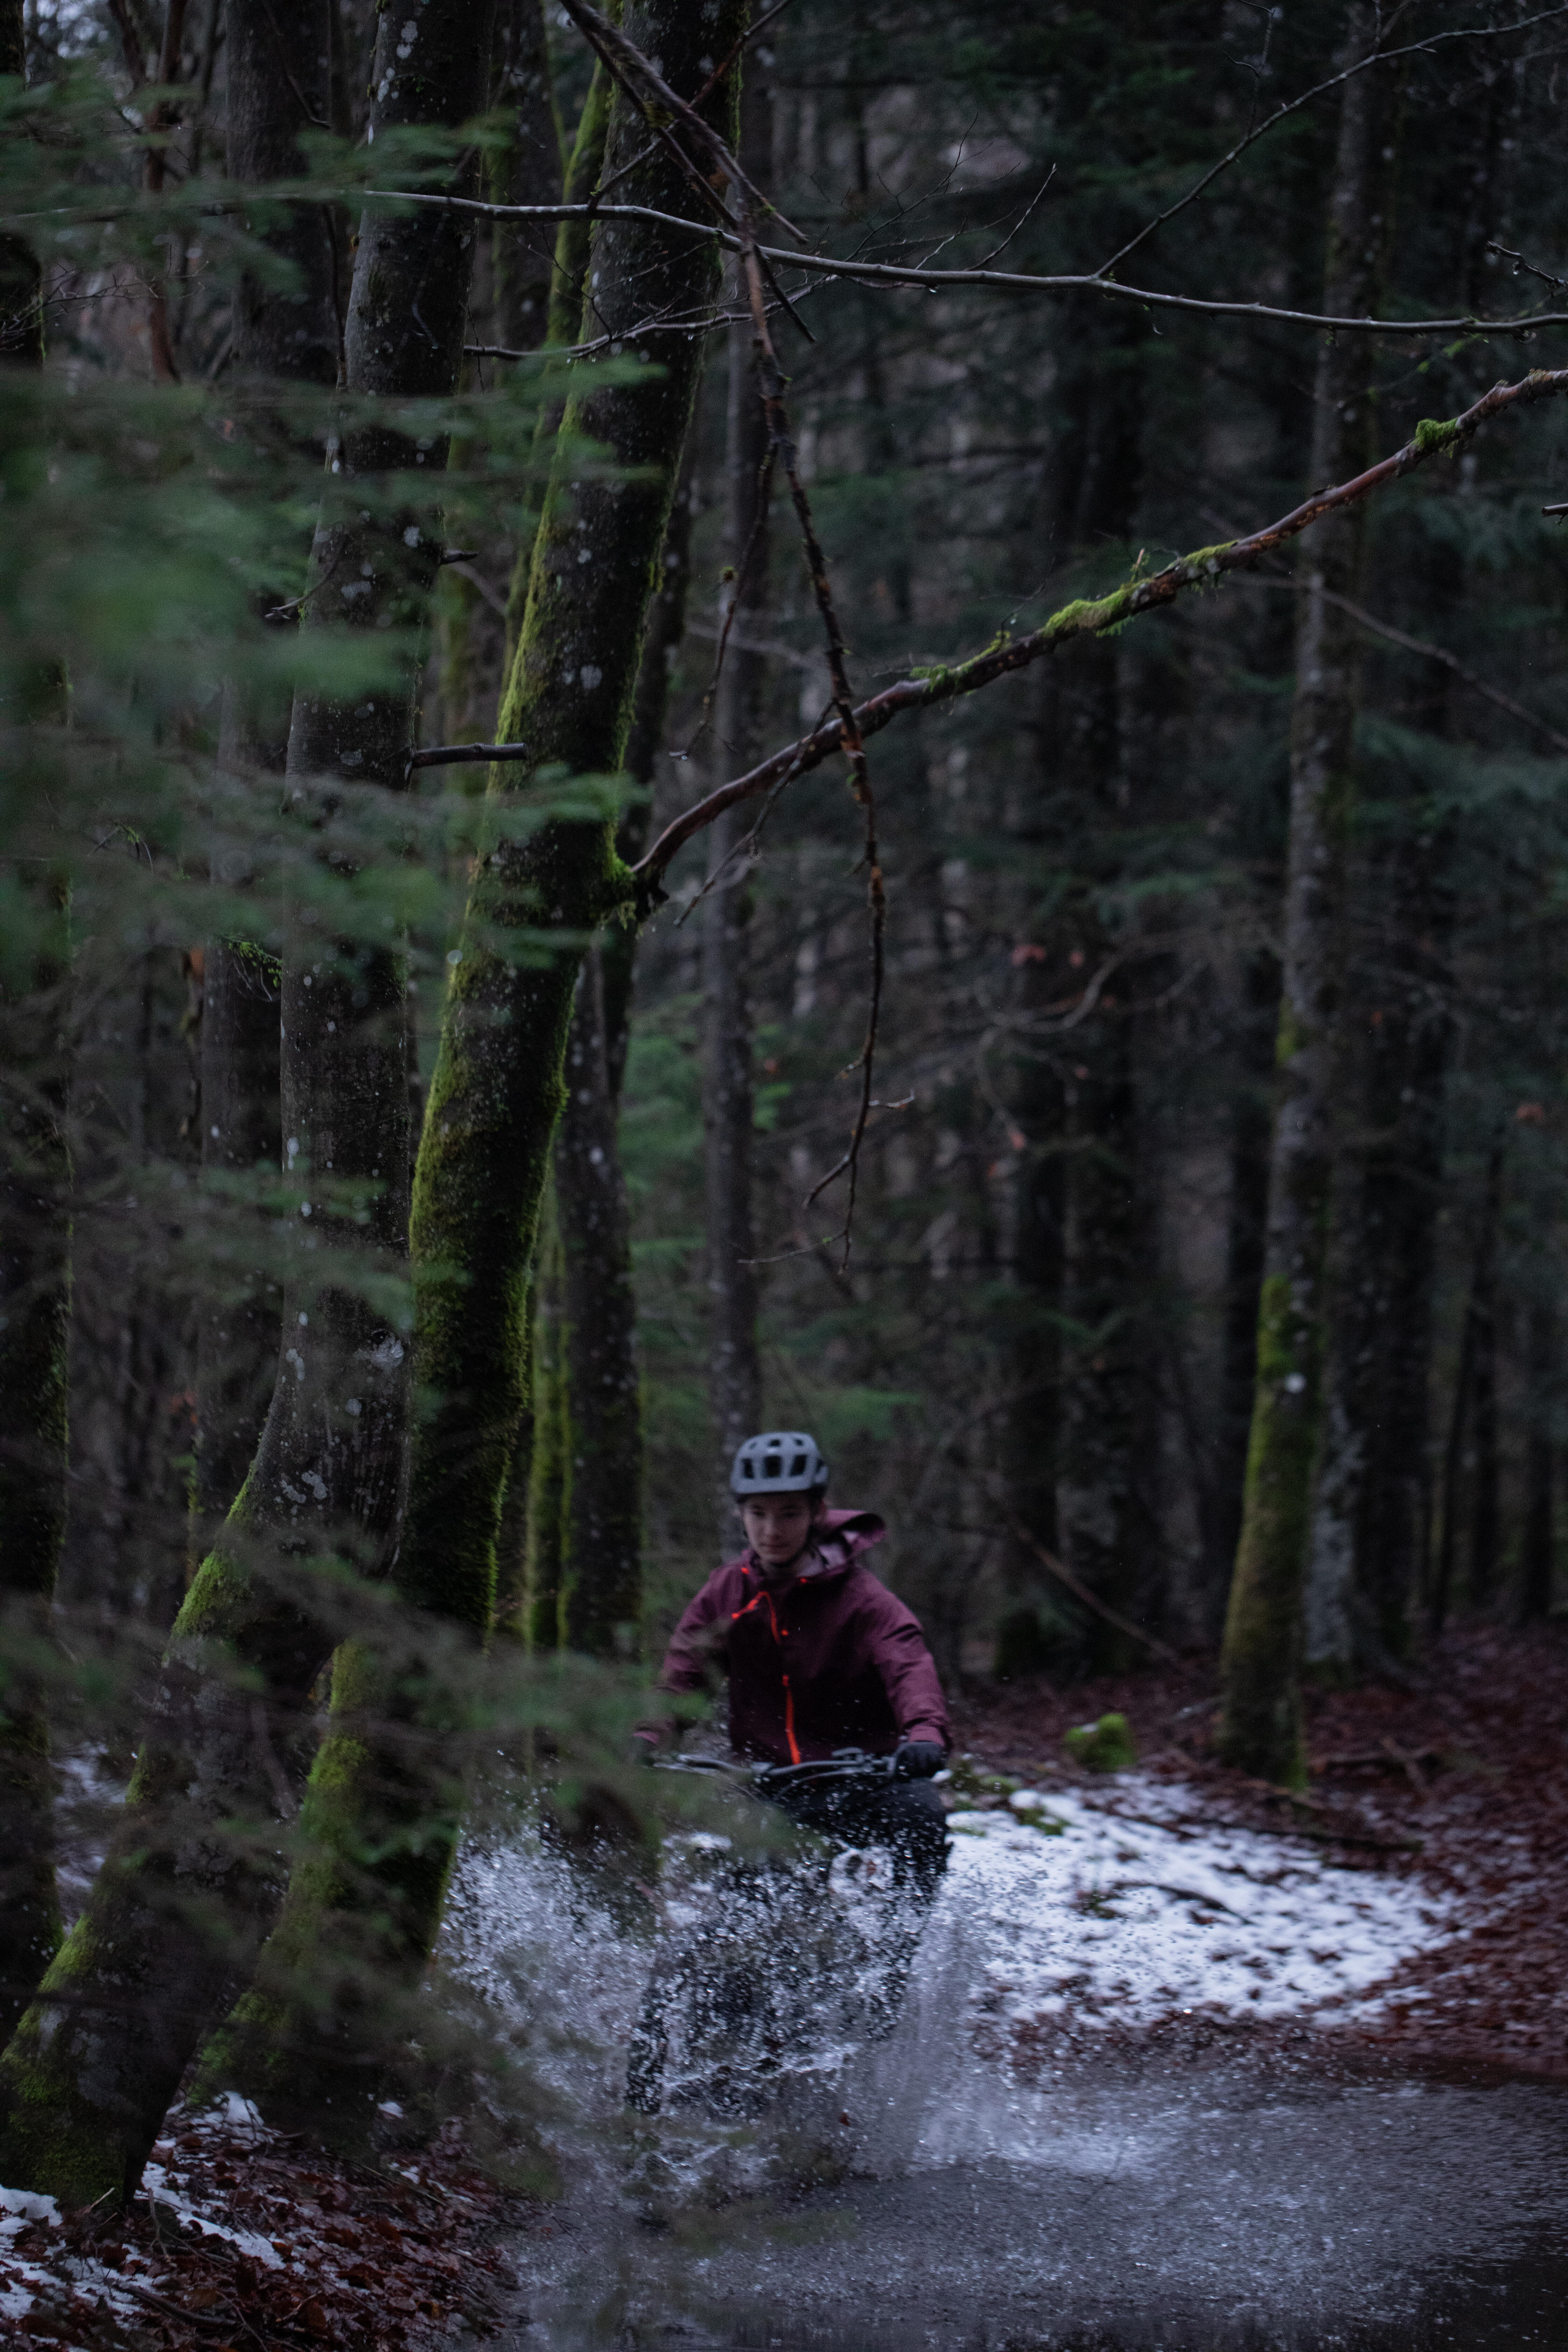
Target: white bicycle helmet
{"x":779,"y":1462}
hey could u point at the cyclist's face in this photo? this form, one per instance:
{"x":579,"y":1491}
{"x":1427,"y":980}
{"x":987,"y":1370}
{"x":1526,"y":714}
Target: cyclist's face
{"x":777,"y":1526}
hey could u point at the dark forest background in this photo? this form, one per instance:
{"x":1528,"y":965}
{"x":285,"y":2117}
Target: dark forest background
{"x":1047,"y":1316}
{"x":1034,"y":1345}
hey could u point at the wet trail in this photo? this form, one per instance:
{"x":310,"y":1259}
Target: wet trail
{"x":985,"y":2186}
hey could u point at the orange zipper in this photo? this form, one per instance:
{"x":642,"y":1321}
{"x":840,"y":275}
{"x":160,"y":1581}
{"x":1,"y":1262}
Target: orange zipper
{"x":767,"y":1596}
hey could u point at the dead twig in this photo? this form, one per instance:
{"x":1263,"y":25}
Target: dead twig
{"x":1376,"y":56}
{"x":1080,"y":1591}
{"x":465,"y":755}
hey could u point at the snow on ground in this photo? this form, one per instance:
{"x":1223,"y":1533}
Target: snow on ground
{"x":1124,"y":1910}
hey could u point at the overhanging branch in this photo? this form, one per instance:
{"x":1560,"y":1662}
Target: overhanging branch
{"x":1088,"y":616}
{"x":896,"y":275}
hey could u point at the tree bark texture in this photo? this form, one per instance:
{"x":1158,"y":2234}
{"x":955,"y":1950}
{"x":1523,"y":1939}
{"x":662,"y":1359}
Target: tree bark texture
{"x":21,"y":278}
{"x":1538,"y":1547}
{"x":528,"y":170}
{"x":34,"y":1333}
{"x":1030,"y":1435}
{"x":1260,"y":1720}
{"x":602,"y":1296}
{"x":547,"y":1469}
{"x":1246,"y":1228}
{"x":601,"y":1437}
{"x":565,"y":309}
{"x":661,"y":651}
{"x":1370,"y":1503}
{"x":196,"y":1873}
{"x":237,"y":1345}
{"x":278,"y":83}
{"x":34,"y":1304}
{"x":1101,"y":1437}
{"x":278,"y":72}
{"x":1485,"y":1469}
{"x":734,"y":1363}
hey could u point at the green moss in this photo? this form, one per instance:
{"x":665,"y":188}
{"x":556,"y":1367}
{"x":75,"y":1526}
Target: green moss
{"x":1107,"y":1745}
{"x":1291,"y":1036}
{"x":1433,"y":435}
{"x":1204,"y":561}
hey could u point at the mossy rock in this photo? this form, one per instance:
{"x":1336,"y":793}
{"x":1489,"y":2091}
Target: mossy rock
{"x":1107,"y":1745}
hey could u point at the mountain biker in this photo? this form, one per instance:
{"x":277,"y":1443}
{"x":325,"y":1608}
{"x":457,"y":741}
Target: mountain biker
{"x":820,"y":1656}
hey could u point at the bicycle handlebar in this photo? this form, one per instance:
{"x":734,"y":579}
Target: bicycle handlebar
{"x":844,"y":1764}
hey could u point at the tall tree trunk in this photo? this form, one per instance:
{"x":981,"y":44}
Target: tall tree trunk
{"x":279,"y":84}
{"x":278,"y":78}
{"x":1485,"y":1477}
{"x":1029,"y":1448}
{"x":34,"y":1304}
{"x":35,"y":1331}
{"x":385,"y":1800}
{"x":1246,"y":1226}
{"x":1400,"y":1224}
{"x":193,"y":1876}
{"x":238,"y":1342}
{"x":529,"y":1549}
{"x":528,"y":170}
{"x":1103,"y":1456}
{"x":509,"y":307}
{"x":601,"y":1437}
{"x":1260,"y":1720}
{"x":1537,"y":1549}
{"x":496,"y":1089}
{"x":734,"y":1365}
{"x":564,"y":310}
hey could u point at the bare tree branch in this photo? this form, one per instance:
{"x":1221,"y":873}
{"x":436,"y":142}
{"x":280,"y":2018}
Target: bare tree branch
{"x":1319,"y":89}
{"x":1092,"y":616}
{"x":1006,"y":282}
{"x":1451,"y":662}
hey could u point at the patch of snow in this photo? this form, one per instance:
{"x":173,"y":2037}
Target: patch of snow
{"x":1095,"y":1917}
{"x":159,"y":2183}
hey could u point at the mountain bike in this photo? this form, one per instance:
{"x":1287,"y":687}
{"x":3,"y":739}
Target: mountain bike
{"x":770,"y":1966}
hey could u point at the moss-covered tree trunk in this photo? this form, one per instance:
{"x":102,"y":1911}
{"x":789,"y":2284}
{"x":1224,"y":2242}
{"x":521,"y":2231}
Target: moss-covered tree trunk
{"x":1260,"y":1721}
{"x":585,"y":1490}
{"x":496,"y":1089}
{"x":384,"y":1802}
{"x":197,"y":1869}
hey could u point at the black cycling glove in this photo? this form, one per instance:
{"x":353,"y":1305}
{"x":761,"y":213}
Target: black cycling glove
{"x":918,"y":1760}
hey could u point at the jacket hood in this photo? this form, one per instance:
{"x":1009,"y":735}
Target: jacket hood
{"x":841,"y":1537}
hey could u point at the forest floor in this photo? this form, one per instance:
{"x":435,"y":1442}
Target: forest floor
{"x":1457,"y":1779}
{"x":1444,"y":1800}
{"x":245,"y":2240}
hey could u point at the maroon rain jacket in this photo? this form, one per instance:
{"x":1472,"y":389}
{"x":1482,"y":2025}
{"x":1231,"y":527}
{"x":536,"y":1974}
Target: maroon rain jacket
{"x":834,"y":1660}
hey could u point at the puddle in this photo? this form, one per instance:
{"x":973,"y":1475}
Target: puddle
{"x":1132,"y":2197}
